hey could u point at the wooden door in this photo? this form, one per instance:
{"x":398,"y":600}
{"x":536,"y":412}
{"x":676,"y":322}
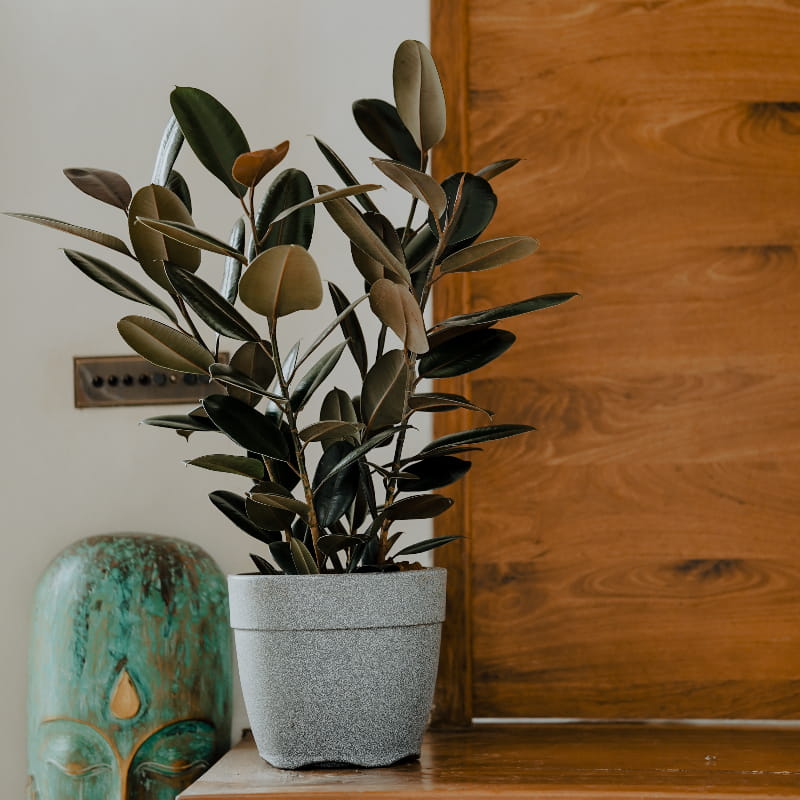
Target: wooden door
{"x":638,"y":556}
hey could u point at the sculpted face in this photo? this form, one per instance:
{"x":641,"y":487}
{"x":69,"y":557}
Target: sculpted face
{"x":130,"y":671}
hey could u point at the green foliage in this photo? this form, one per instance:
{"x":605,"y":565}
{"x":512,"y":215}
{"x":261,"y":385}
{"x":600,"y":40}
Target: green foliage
{"x":340,"y":519}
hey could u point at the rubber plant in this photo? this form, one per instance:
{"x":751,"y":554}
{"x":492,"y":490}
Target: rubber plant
{"x":340,"y":516}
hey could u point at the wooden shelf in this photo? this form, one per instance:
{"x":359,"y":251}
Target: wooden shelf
{"x":569,"y":762}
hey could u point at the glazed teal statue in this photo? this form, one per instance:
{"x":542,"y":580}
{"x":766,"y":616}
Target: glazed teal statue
{"x":130,"y":670}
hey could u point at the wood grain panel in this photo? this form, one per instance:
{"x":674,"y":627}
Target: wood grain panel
{"x":637,"y":556}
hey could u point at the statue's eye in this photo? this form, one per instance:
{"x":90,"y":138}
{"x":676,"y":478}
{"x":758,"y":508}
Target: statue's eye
{"x":77,"y":769}
{"x":181,"y":751}
{"x":75,"y":750}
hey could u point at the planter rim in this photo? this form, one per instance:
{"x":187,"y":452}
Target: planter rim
{"x":337,"y":601}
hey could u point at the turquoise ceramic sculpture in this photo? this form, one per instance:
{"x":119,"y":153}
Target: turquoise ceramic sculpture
{"x":130,"y":670}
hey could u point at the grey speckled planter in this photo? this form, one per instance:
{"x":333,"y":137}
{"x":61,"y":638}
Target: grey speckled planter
{"x":338,"y":668}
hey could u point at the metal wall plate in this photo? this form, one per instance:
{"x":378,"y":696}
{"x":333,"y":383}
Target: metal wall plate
{"x":134,"y":381}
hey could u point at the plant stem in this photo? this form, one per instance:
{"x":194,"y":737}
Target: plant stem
{"x":182,"y":307}
{"x":291,"y":419}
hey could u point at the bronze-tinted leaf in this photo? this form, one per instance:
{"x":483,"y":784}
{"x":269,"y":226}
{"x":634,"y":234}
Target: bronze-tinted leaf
{"x":250,"y":168}
{"x":192,"y":237}
{"x":332,"y":429}
{"x":225,"y":373}
{"x":336,"y":405}
{"x":102,"y":184}
{"x":327,"y":194}
{"x":383,"y":394}
{"x":491,"y":253}
{"x":212,"y":132}
{"x":497,"y":168}
{"x":246,"y":427}
{"x":280,"y":501}
{"x":267,"y":515}
{"x":303,"y":560}
{"x":235,"y":465}
{"x":117,"y":281}
{"x":492,"y":315}
{"x":347,"y":177}
{"x":466,"y":353}
{"x":153,"y":248}
{"x":251,"y":360}
{"x":471,"y":203}
{"x":105,"y":239}
{"x":280,"y":281}
{"x":211,"y":306}
{"x":397,"y":308}
{"x":418,"y":94}
{"x":181,"y":422}
{"x":417,"y":184}
{"x":165,"y":346}
{"x":350,"y":221}
{"x":381,"y":124}
{"x":445,"y":444}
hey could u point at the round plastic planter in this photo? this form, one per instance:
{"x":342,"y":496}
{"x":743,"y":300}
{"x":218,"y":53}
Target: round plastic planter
{"x":338,"y":669}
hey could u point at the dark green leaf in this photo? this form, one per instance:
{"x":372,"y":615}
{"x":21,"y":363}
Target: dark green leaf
{"x":333,"y":498}
{"x":165,"y":346}
{"x":465,"y":353}
{"x":370,"y":268}
{"x":331,"y":430}
{"x":245,"y":426}
{"x":334,"y":542}
{"x":303,"y":560}
{"x":287,"y":366}
{"x":168,"y":149}
{"x":235,"y":465}
{"x":351,"y":328}
{"x":233,"y":266}
{"x":375,"y":441}
{"x":381,"y":124}
{"x":328,"y":194}
{"x":383,"y":394}
{"x":102,"y":184}
{"x":211,"y":306}
{"x":492,"y":315}
{"x":442,"y":401}
{"x":472,"y":213}
{"x":181,"y":422}
{"x":233,"y":507}
{"x":281,"y":502}
{"x":212,"y":132}
{"x":263,"y":566}
{"x":311,"y":381}
{"x":347,"y":177}
{"x":433,"y":473}
{"x":428,"y":544}
{"x":105,"y":239}
{"x":225,"y":373}
{"x":268,"y":515}
{"x":418,"y":94}
{"x":419,"y":506}
{"x":191,"y":237}
{"x":252,"y":361}
{"x":117,"y":281}
{"x":282,"y":554}
{"x":178,"y":186}
{"x":288,"y":190}
{"x":474,"y":436}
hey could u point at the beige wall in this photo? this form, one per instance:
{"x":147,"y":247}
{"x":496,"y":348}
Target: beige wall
{"x":86,"y":83}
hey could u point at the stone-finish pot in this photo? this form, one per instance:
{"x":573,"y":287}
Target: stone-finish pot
{"x":338,"y":668}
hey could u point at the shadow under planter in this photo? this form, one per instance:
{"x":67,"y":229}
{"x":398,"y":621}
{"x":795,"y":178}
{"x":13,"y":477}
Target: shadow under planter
{"x":338,"y":669}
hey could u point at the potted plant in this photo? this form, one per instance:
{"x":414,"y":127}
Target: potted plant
{"x":337,"y":633}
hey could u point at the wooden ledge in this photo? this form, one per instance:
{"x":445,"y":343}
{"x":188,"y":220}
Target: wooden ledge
{"x":568,"y":762}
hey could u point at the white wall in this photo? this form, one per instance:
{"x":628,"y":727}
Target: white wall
{"x":86,"y":83}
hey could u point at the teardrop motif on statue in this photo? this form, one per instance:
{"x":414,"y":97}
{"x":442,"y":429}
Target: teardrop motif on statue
{"x":125,"y":702}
